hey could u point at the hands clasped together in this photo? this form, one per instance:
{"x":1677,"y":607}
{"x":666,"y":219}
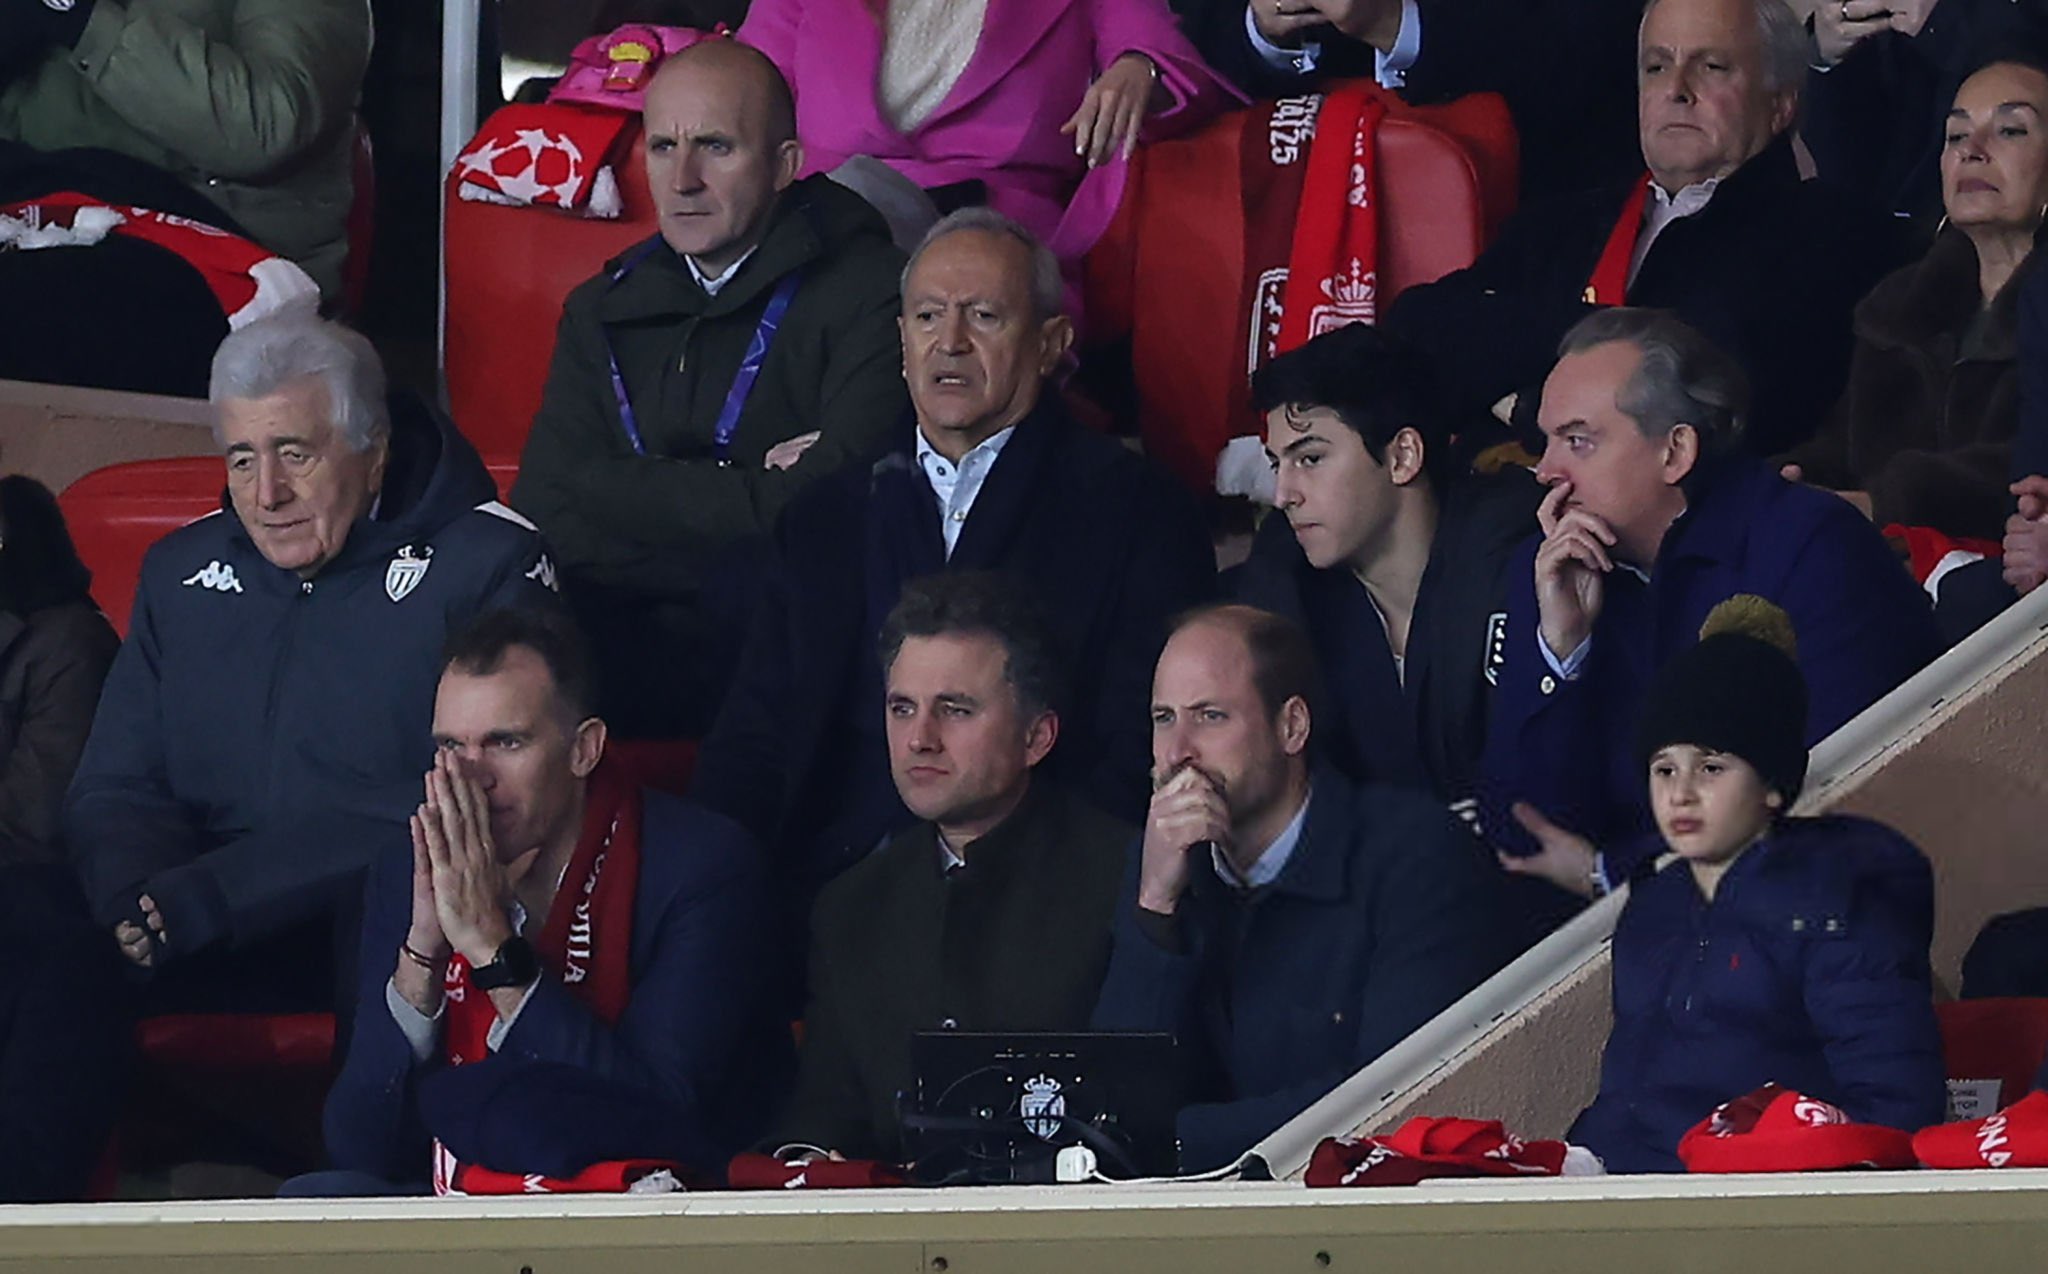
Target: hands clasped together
{"x":461,"y":893}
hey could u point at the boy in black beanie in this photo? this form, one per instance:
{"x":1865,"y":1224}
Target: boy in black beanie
{"x":1772,"y":949}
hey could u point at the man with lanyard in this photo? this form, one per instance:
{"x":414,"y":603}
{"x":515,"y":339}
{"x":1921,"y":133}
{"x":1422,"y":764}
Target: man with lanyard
{"x":561,"y":980}
{"x":704,"y":378}
{"x":1720,"y":229}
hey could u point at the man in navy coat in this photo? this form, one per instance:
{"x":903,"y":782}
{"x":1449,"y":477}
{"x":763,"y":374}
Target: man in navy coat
{"x":1654,"y":516}
{"x":994,"y":474}
{"x":566,"y":968}
{"x":1285,"y":925}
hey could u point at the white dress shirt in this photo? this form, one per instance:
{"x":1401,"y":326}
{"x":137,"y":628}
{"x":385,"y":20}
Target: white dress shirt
{"x":1662,"y":210}
{"x":1389,"y":68}
{"x":712,"y":283}
{"x":957,"y":486}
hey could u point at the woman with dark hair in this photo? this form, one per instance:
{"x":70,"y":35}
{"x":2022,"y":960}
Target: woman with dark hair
{"x":1923,"y":434}
{"x":55,"y":648}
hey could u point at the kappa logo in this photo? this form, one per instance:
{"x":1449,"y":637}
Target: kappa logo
{"x":221,"y":579}
{"x":1043,"y":1106}
{"x":1496,"y":646}
{"x":60,"y":6}
{"x":543,"y":573}
{"x":406,"y":571}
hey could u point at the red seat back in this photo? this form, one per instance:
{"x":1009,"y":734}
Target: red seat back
{"x":662,"y":764}
{"x":362,"y":224}
{"x":116,"y":513}
{"x":1447,"y":181}
{"x":508,"y":272}
{"x":2001,"y":1040}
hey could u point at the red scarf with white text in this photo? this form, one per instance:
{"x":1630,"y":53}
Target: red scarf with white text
{"x":586,"y":943}
{"x":1333,"y":268}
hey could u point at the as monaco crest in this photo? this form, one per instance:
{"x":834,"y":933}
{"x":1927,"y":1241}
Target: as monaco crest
{"x":406,"y":571}
{"x":1043,"y":1107}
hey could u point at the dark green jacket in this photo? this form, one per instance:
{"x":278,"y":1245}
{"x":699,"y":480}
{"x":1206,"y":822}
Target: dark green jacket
{"x":1017,"y":940}
{"x":648,"y":524}
{"x":250,"y":102}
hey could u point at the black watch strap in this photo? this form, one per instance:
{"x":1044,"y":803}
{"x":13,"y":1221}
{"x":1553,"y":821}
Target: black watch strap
{"x":514,"y":965}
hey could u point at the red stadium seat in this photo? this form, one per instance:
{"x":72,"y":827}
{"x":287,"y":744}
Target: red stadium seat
{"x":116,"y":513}
{"x":508,"y":272}
{"x":2001,"y":1040}
{"x":1447,"y":178}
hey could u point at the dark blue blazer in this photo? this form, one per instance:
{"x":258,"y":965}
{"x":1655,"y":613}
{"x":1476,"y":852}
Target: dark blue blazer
{"x":1387,"y":912}
{"x":1103,"y":539}
{"x":695,"y":1038}
{"x":1809,"y":969}
{"x":1568,"y":748}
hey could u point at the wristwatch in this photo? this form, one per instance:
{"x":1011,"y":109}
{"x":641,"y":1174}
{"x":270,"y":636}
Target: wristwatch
{"x":514,"y":965}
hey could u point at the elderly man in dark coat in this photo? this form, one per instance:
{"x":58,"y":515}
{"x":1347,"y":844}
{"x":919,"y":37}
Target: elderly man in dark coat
{"x":993,"y":475}
{"x":1722,"y":231}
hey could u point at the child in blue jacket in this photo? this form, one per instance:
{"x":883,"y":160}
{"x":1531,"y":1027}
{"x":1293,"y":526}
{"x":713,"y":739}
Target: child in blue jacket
{"x":1771,"y":948}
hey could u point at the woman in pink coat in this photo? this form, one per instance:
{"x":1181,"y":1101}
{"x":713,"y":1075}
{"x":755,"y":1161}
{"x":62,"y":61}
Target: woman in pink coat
{"x":1041,"y":100}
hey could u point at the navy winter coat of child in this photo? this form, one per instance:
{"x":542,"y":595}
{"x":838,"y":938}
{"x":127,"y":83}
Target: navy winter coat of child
{"x":1808,"y":969}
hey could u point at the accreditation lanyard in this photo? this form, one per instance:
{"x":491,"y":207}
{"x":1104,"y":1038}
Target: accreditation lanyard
{"x":743,"y":380}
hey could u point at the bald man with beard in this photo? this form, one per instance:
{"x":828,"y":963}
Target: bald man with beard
{"x":704,"y":378}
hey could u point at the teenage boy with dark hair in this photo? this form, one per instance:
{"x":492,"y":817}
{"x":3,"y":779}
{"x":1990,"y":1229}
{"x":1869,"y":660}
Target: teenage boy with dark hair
{"x":1396,"y":572}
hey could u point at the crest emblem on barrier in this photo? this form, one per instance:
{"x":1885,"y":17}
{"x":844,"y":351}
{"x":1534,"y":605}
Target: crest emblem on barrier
{"x":406,"y":571}
{"x":1043,"y":1106}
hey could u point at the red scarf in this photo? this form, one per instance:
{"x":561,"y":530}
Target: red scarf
{"x":1425,"y":1148}
{"x":248,"y":280}
{"x":587,"y":943}
{"x":1609,"y":284}
{"x":1333,"y":270}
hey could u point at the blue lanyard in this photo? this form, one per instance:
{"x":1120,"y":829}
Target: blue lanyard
{"x":743,"y":380}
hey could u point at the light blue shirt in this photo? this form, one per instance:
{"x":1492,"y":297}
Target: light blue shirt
{"x":1266,"y":868}
{"x":1389,"y":68}
{"x":957,"y":486}
{"x":712,"y":283}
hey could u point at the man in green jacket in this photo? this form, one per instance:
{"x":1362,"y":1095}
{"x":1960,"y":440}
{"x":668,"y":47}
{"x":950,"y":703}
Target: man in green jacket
{"x":249,"y":102}
{"x":704,"y":378}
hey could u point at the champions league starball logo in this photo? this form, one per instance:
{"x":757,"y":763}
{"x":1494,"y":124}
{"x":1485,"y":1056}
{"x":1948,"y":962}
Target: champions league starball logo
{"x":536,"y":166}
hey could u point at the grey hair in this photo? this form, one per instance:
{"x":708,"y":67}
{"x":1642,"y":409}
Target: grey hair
{"x":1048,"y":290}
{"x":269,"y":354}
{"x":1786,"y":50}
{"x":1683,"y":378}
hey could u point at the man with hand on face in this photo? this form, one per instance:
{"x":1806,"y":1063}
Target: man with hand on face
{"x":1286,"y":925}
{"x":705,"y":378}
{"x":566,"y":968}
{"x":1573,"y":129}
{"x":1395,"y":571}
{"x":257,"y":738}
{"x":1720,"y":230}
{"x":1654,"y":515}
{"x":993,"y":474}
{"x":993,"y":911}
